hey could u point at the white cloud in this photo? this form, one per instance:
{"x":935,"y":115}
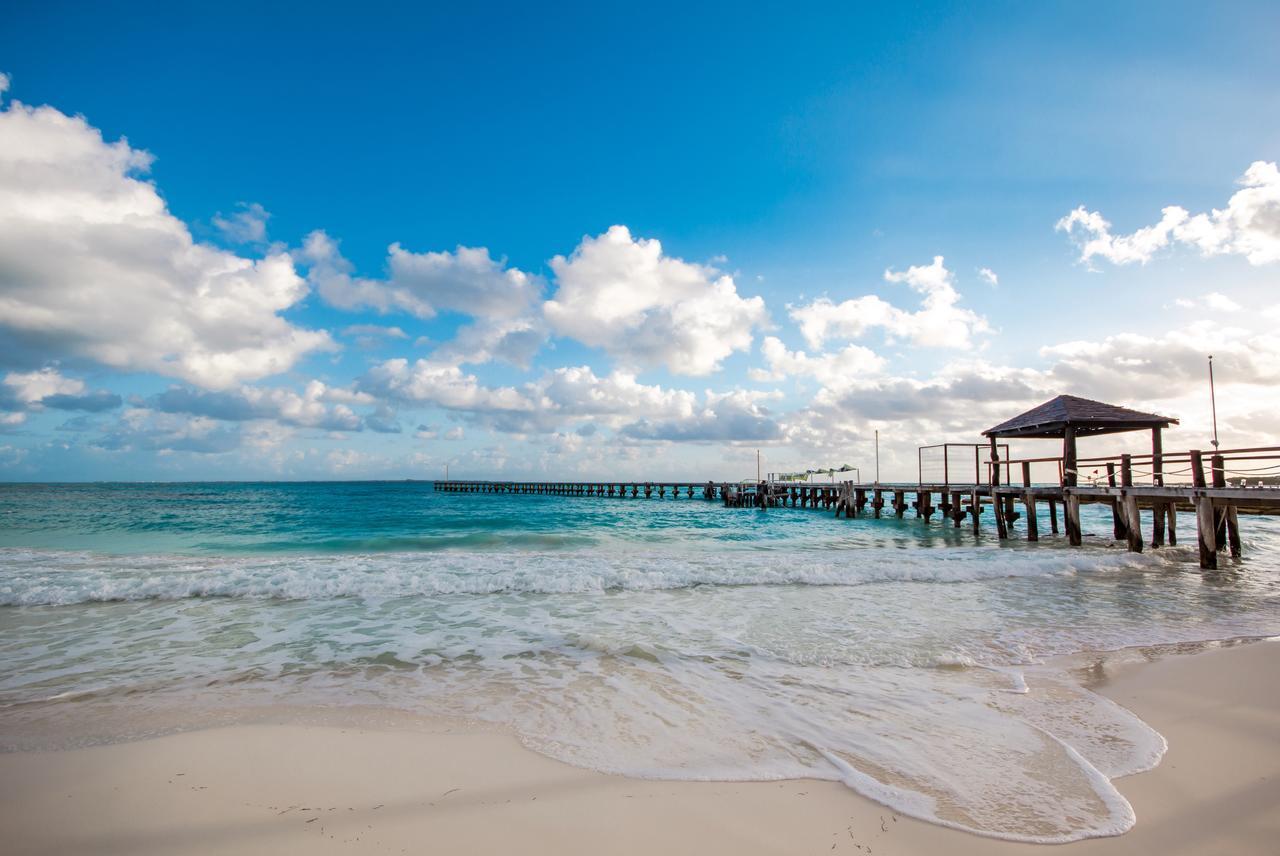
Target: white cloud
{"x":4,"y":83}
{"x":467,"y":280}
{"x":1214,"y":301}
{"x":1249,"y":226}
{"x":246,"y":226}
{"x":30,"y":387}
{"x":454,"y":433}
{"x":838,"y":370}
{"x":647,"y":309}
{"x":939,"y":322}
{"x":306,"y":410}
{"x":93,"y":266}
{"x":989,"y":276}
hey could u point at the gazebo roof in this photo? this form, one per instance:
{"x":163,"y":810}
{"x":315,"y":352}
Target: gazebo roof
{"x":1052,"y":418}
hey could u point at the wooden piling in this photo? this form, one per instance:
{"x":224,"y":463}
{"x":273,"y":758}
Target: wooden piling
{"x":1205,"y":526}
{"x":1133,"y":523}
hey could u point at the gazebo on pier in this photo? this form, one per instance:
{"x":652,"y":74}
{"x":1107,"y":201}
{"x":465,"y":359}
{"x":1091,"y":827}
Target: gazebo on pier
{"x":1070,"y":417}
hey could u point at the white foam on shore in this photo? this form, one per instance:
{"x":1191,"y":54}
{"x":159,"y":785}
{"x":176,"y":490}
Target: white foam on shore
{"x":46,"y":577}
{"x":916,"y":677}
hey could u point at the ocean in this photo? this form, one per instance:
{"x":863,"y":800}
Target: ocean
{"x":944,"y":675}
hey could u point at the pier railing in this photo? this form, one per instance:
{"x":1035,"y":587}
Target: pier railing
{"x":1194,"y":468}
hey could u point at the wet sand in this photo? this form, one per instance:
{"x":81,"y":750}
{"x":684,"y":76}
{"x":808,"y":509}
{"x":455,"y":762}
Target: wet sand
{"x":288,"y":788}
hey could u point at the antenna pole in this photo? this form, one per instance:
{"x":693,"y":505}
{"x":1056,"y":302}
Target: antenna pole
{"x":1213,"y":403}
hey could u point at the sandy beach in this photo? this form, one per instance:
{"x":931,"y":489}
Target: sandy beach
{"x":288,"y":788}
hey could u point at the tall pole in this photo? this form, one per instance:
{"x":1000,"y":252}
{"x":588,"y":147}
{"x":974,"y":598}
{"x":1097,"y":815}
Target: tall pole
{"x":877,"y":456}
{"x":446,"y":472}
{"x":757,"y":465}
{"x":1213,"y":403}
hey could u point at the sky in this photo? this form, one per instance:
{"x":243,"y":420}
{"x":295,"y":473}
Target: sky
{"x":314,"y":241}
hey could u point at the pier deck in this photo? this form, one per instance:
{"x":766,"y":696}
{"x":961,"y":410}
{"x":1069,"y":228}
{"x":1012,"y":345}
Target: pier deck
{"x":1215,"y":502}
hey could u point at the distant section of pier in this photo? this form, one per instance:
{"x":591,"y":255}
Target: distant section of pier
{"x":960,"y":481}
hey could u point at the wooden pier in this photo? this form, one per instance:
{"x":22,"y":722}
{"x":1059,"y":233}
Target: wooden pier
{"x":1213,"y":486}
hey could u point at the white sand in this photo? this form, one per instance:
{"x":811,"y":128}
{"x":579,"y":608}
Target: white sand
{"x":302,"y":789}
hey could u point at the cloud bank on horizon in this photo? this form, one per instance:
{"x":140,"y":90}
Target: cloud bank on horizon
{"x":133,"y":348}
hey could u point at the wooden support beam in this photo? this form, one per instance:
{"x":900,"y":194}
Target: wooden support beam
{"x":1233,"y":531}
{"x":1118,"y":529}
{"x":1173,"y":524}
{"x":1071,"y":519}
{"x":1220,"y":514}
{"x":957,"y":509}
{"x":1002,"y":527}
{"x":1158,"y":515}
{"x":878,"y":502}
{"x":1133,"y":523}
{"x":1205,"y":525}
{"x":1053,"y":517}
{"x":1033,"y":525}
{"x":975,"y":509}
{"x":899,"y":503}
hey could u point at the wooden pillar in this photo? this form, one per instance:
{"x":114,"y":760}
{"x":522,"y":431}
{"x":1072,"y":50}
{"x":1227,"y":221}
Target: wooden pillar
{"x":1157,"y":457}
{"x":1204,"y":533}
{"x":1002,"y":528}
{"x":877,"y":502}
{"x":899,"y":503}
{"x":1069,"y":456}
{"x":860,"y":499}
{"x":1053,"y":516}
{"x":1219,"y":513}
{"x":1033,"y":525}
{"x":1157,"y":523}
{"x":1118,"y":528}
{"x":1233,"y":531}
{"x":975,"y":508}
{"x":1133,"y":523}
{"x":1172,"y":509}
{"x":1071,"y":519}
{"x":957,"y":509}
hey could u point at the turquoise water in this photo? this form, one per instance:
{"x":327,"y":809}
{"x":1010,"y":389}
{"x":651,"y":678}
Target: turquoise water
{"x":663,"y":638}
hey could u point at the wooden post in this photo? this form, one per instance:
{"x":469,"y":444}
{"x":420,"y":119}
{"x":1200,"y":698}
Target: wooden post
{"x":1118,"y":529}
{"x":1133,"y":523}
{"x":1219,"y":514}
{"x":1053,"y":516}
{"x":1157,"y":523}
{"x":877,"y":502}
{"x":1197,"y":468}
{"x":1071,"y":519}
{"x":1157,"y":457}
{"x":957,"y":509}
{"x":1002,"y":528}
{"x":1233,"y":531}
{"x":1033,"y":525}
{"x":1205,"y":534}
{"x":899,"y":503}
{"x":1069,"y":477}
{"x":1172,"y":508}
{"x":975,"y":508}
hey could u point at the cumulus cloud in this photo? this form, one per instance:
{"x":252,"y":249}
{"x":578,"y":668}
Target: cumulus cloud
{"x":569,"y":395}
{"x":94,"y":267}
{"x":139,"y":429}
{"x":248,"y":225}
{"x":644,"y":308}
{"x":305,"y":410}
{"x":728,"y":417}
{"x":467,"y":280}
{"x":940,"y":321}
{"x":989,"y":276}
{"x":1249,"y":226}
{"x":1214,"y":301}
{"x":21,"y":392}
{"x":837,"y":370}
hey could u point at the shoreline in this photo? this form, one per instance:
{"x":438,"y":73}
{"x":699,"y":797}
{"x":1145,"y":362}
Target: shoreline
{"x":302,"y":788}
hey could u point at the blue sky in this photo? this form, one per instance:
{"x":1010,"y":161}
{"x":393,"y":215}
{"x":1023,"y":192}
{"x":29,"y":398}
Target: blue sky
{"x":784,"y":180}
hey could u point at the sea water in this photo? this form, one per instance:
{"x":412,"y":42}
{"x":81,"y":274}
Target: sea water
{"x":919,"y":664}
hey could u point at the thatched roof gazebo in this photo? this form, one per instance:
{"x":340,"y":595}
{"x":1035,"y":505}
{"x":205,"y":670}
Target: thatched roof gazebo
{"x":1071,"y":417}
